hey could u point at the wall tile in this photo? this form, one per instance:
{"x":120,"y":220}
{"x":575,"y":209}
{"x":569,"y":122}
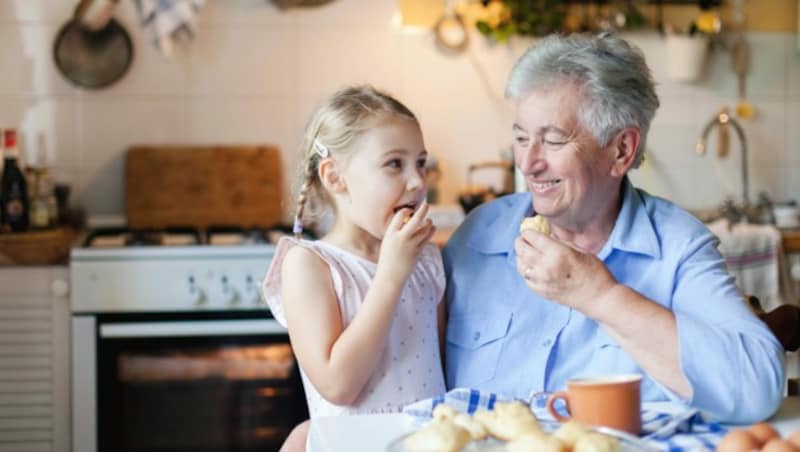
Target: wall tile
{"x":243,"y":61}
{"x":49,"y":132}
{"x":347,"y":15}
{"x":792,"y":58}
{"x":244,"y":12}
{"x":108,"y":127}
{"x":40,"y":11}
{"x":100,"y":189}
{"x":328,"y":60}
{"x":251,"y":120}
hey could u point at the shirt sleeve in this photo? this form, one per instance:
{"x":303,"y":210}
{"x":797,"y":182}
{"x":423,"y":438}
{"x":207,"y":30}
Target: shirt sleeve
{"x":732,"y":361}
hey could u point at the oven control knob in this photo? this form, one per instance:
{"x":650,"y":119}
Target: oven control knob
{"x":253,"y":294}
{"x":197,"y":296}
{"x":231,"y":295}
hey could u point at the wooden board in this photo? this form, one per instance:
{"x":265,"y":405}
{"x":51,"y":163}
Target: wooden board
{"x":203,"y":186}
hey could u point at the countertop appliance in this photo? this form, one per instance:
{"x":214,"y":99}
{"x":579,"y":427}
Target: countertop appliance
{"x":173,"y":347}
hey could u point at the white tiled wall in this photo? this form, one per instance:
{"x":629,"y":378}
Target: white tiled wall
{"x":254,"y":74}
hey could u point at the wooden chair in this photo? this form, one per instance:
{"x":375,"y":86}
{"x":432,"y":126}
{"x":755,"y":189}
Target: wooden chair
{"x":784,"y":322}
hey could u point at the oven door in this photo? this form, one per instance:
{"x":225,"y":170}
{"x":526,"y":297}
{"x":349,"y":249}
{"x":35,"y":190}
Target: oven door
{"x":218,"y":382}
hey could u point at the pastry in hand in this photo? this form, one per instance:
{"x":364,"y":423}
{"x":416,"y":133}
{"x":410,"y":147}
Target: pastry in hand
{"x":508,"y":420}
{"x":438,"y":436}
{"x":537,"y":222}
{"x":536,"y":442}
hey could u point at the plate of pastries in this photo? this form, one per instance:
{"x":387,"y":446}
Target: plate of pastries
{"x":510,"y":427}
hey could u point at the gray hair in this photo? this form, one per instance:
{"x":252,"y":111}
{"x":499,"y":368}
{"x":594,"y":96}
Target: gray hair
{"x":611,"y":73}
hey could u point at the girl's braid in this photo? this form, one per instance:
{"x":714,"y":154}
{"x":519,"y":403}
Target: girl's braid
{"x":302,"y":198}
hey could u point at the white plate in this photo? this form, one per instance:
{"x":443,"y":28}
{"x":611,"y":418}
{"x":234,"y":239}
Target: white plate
{"x":628,"y":442}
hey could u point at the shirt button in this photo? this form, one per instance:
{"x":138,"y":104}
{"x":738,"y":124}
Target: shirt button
{"x":476,"y":336}
{"x":547,"y":343}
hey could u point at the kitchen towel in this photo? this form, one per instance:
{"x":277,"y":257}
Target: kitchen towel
{"x":169,"y":21}
{"x":751,"y":252}
{"x":687,"y":430}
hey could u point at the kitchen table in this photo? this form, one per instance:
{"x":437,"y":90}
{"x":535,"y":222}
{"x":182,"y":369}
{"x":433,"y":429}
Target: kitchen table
{"x":373,"y":432}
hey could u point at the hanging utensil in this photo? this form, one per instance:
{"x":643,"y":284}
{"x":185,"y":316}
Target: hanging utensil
{"x":740,"y":62}
{"x":723,"y":134}
{"x":92,"y":50}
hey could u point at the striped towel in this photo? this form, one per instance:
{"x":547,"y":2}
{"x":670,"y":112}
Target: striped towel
{"x":684,"y":431}
{"x":169,"y":21}
{"x":751,"y":253}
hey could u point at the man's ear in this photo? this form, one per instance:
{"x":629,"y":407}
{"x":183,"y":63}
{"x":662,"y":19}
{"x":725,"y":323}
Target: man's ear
{"x":331,"y":177}
{"x":624,"y":147}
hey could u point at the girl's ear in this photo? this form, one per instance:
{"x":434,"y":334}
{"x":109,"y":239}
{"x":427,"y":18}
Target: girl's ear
{"x":624,"y":148}
{"x":331,"y":177}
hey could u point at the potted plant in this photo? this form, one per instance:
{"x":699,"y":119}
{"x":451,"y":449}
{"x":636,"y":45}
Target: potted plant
{"x":523,"y":17}
{"x":687,"y":53}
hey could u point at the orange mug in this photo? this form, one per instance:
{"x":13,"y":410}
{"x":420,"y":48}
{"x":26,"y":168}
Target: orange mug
{"x":612,"y":401}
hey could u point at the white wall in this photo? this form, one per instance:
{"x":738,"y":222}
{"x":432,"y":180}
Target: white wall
{"x":254,"y":74}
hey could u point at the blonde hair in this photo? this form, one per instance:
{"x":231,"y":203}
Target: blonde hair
{"x":343,"y":117}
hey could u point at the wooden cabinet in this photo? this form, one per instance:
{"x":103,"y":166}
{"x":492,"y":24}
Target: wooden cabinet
{"x":34,"y":359}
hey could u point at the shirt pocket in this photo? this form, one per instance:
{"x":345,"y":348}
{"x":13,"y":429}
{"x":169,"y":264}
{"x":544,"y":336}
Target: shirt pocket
{"x":474,"y":343}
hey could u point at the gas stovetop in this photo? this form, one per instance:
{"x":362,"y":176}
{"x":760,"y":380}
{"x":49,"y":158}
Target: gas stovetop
{"x":172,"y":269}
{"x":124,"y":237}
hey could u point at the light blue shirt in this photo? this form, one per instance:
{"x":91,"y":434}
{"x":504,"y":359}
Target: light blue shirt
{"x":503,"y":337}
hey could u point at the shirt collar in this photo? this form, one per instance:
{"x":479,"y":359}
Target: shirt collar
{"x":633,"y":231}
{"x":501,"y":224}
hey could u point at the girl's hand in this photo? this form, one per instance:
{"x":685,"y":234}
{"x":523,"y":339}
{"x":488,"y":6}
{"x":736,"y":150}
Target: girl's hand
{"x":402,"y":243}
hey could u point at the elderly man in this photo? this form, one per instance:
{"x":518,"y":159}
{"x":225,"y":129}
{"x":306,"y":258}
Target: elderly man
{"x":624,"y":282}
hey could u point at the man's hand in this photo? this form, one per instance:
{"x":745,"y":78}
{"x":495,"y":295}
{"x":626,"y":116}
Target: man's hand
{"x":559,"y":272}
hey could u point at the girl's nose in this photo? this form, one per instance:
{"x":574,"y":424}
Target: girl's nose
{"x":415,"y":181}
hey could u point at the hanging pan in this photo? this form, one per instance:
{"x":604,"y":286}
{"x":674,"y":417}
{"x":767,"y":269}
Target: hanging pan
{"x":93,"y":58}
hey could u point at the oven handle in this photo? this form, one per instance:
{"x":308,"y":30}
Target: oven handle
{"x":192,"y":328}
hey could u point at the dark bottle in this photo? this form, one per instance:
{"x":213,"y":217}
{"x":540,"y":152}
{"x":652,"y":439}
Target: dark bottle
{"x":14,"y":193}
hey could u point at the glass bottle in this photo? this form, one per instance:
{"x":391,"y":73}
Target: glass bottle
{"x":14,"y":193}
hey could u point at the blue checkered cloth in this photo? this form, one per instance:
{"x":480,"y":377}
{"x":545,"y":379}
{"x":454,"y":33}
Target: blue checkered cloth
{"x":684,"y":431}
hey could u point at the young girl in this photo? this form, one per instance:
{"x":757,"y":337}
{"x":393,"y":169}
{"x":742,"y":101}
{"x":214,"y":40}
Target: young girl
{"x":362,"y":304}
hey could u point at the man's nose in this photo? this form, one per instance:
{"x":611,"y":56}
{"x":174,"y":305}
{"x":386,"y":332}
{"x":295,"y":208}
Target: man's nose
{"x":531,"y":159}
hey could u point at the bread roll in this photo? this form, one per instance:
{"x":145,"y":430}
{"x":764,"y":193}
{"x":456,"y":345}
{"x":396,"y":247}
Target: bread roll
{"x":439,"y":436}
{"x":508,"y":420}
{"x":538,"y":223}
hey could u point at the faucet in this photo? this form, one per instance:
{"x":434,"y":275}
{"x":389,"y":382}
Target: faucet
{"x":723,"y":119}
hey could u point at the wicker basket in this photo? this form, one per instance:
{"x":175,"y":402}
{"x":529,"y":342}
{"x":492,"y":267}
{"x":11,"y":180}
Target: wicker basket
{"x":45,"y":247}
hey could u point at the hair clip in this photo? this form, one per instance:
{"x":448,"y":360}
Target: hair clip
{"x":297,"y":227}
{"x":321,"y":149}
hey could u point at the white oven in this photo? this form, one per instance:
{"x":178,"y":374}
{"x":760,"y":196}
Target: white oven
{"x":173,"y":349}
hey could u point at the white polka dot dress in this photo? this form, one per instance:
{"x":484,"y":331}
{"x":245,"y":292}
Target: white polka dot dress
{"x":410,"y":366}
